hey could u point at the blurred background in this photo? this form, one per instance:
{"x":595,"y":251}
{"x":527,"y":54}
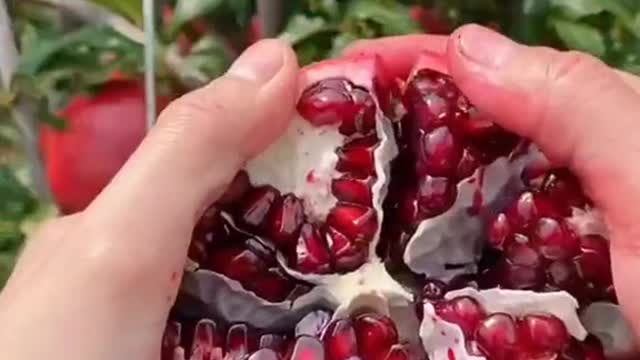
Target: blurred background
{"x":72,"y":98}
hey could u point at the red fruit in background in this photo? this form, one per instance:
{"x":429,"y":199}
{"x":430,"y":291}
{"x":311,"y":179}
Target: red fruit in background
{"x":430,"y":20}
{"x":102,"y":132}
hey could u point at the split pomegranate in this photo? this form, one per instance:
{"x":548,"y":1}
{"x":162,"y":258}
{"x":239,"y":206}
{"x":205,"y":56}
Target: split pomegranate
{"x":541,"y":248}
{"x":298,"y":225}
{"x":365,"y":335}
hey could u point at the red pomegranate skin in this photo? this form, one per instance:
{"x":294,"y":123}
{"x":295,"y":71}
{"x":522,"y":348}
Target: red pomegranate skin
{"x":102,"y":132}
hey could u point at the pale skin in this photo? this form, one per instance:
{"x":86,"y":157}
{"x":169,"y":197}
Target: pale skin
{"x":99,"y":284}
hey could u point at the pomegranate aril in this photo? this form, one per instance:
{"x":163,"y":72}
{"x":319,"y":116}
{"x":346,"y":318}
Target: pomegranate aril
{"x":328,"y":102}
{"x":211,"y":229}
{"x":238,"y":341}
{"x":470,"y":161}
{"x":358,"y":223}
{"x":264,"y":354}
{"x":237,"y":263}
{"x":236,"y":190}
{"x":274,"y":286}
{"x":255,"y":207}
{"x":497,"y":337}
{"x":435,"y":196}
{"x":554,"y":240}
{"x":542,"y":334}
{"x":563,"y":275}
{"x":272,"y":341}
{"x":357,"y":157}
{"x":353,"y":190}
{"x":499,"y":232}
{"x":594,"y":263}
{"x":170,"y":340}
{"x":312,"y":253}
{"x":347,"y":256}
{"x":375,"y":335}
{"x":522,"y":255}
{"x":340,"y":340}
{"x":364,"y":121}
{"x":307,"y":348}
{"x":464,"y":311}
{"x":564,"y":187}
{"x":523,"y":213}
{"x":288,"y":216}
{"x":428,"y":99}
{"x":438,"y":152}
{"x":206,"y":340}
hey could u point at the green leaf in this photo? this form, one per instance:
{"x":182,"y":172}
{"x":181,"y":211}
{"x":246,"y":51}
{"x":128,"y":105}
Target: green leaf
{"x":301,"y":27}
{"x":390,"y":17}
{"x":16,"y":201}
{"x":187,"y":10}
{"x":340,"y":42}
{"x":579,"y":36}
{"x":208,"y":60}
{"x":7,"y":262}
{"x":131,"y":9}
{"x":625,"y":12}
{"x":575,"y":9}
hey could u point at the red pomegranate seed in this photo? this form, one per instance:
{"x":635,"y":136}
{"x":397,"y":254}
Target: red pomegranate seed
{"x":428,"y":99}
{"x":375,"y":335}
{"x":398,"y":352}
{"x":340,"y":341}
{"x":264,"y":354}
{"x":256,"y":206}
{"x":497,"y":337}
{"x":512,"y":276}
{"x":563,"y":275}
{"x":358,"y":223}
{"x":364,"y":122}
{"x":237,"y":263}
{"x":346,"y":255}
{"x":464,"y":311}
{"x":236,"y":190}
{"x":353,"y":190}
{"x":564,"y":187}
{"x":274,"y":285}
{"x":307,"y":348}
{"x":542,"y":334}
{"x":357,"y":157}
{"x":288,"y":216}
{"x":499,"y":232}
{"x":170,"y":340}
{"x":312,"y":254}
{"x":328,"y":102}
{"x":594,"y":264}
{"x":470,"y":161}
{"x":477,"y":125}
{"x":238,"y":341}
{"x":273,"y":342}
{"x":523,"y":213}
{"x":523,"y":255}
{"x":206,"y":340}
{"x":435,"y":195}
{"x":554,"y":240}
{"x":438,"y":152}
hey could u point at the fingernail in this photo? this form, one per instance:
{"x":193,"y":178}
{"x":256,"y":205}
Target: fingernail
{"x":260,"y":62}
{"x":485,"y":47}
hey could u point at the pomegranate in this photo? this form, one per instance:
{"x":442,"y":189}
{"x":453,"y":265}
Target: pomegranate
{"x":388,"y":201}
{"x":542,"y":245}
{"x":102,"y":132}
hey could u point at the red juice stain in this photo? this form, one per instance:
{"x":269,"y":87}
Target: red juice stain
{"x":451,"y":355}
{"x":311,"y":177}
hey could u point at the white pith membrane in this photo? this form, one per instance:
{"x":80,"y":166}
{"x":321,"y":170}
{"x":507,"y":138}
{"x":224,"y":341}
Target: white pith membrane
{"x":302,"y":150}
{"x":454,"y":237}
{"x":441,"y":338}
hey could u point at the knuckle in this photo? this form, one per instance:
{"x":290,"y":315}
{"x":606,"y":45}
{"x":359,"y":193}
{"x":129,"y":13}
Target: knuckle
{"x":570,"y":67}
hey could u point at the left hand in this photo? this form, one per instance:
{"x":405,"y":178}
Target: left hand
{"x":99,"y":284}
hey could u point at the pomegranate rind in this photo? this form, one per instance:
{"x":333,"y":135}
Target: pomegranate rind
{"x":440,"y":338}
{"x":225,"y":298}
{"x":607,"y":322}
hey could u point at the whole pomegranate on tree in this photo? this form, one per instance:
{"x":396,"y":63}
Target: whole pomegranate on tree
{"x":417,"y":227}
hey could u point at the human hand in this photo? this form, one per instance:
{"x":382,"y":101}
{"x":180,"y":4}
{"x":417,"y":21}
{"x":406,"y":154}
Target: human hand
{"x":99,"y":284}
{"x":581,"y":113}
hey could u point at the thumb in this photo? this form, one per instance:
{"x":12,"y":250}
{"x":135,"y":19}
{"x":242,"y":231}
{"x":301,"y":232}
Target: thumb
{"x":580,"y":112}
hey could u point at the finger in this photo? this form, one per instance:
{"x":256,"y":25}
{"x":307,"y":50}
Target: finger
{"x":141,"y":223}
{"x":631,"y":80}
{"x":579,"y":111}
{"x":399,"y":53}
